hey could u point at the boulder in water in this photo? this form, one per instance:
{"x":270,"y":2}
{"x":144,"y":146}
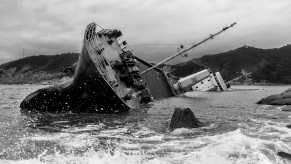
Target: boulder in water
{"x":284,"y":155}
{"x":184,"y":118}
{"x":283,"y":98}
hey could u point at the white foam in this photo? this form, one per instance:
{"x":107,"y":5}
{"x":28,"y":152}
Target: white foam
{"x":244,"y":145}
{"x":232,"y":147}
{"x":90,"y":157}
{"x":229,"y":148}
{"x":181,"y":131}
{"x":29,"y":161}
{"x":65,"y":139}
{"x":86,"y":128}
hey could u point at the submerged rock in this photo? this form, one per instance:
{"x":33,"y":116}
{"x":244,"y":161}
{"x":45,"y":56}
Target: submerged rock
{"x":184,"y":118}
{"x":284,"y":155}
{"x":286,"y":109}
{"x":283,"y":98}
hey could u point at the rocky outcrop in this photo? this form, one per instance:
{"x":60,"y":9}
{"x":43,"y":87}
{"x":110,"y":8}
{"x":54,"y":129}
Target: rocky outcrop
{"x":284,"y":155}
{"x":184,"y":118}
{"x":278,"y":99}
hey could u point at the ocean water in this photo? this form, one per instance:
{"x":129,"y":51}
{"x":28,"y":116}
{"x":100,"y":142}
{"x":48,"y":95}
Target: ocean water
{"x":236,"y":131}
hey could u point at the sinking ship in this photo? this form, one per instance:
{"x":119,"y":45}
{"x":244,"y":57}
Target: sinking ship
{"x":109,"y":78}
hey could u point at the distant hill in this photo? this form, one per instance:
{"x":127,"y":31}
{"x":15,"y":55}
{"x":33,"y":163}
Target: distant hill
{"x":37,"y":68}
{"x":265,"y":65}
{"x":46,"y":63}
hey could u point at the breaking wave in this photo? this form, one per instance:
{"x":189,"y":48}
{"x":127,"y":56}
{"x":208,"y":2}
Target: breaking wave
{"x":243,"y":145}
{"x":236,"y":133}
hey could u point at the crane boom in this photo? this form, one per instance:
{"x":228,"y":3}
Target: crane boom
{"x":189,"y":48}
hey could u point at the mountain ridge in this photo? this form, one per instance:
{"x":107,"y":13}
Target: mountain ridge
{"x":265,"y":65}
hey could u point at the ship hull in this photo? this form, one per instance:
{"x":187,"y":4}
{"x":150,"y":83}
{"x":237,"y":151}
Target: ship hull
{"x":89,"y":90}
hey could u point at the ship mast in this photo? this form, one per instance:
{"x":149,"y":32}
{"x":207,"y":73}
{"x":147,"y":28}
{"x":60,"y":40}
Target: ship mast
{"x":188,"y":49}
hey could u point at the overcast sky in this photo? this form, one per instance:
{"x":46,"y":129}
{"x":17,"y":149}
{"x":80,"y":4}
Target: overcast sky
{"x":55,"y":26}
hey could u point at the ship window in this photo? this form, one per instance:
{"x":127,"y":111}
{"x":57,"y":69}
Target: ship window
{"x":201,"y":82}
{"x":196,"y":86}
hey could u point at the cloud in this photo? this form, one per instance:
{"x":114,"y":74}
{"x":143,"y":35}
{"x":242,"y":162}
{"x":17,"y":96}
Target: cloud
{"x":58,"y":25}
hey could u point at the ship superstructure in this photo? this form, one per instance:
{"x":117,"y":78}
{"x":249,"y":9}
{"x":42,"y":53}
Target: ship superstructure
{"x":116,"y":63}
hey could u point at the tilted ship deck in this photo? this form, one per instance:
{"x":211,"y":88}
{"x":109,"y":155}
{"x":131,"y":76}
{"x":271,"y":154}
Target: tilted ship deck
{"x":107,"y":79}
{"x":116,"y":66}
